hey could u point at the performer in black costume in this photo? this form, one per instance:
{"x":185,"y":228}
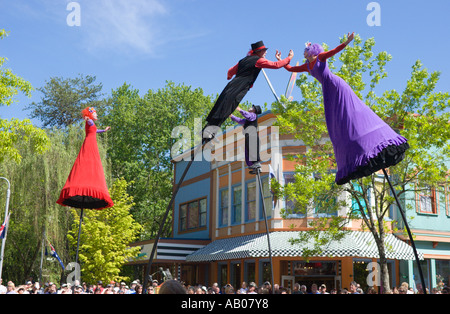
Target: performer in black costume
{"x":245,"y":73}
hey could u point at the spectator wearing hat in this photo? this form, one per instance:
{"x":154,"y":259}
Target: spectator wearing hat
{"x":252,"y":288}
{"x":100,"y":286}
{"x":323,"y":289}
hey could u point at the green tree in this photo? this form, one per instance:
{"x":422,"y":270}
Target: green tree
{"x":14,"y":131}
{"x":63,"y":99}
{"x":419,"y":113}
{"x":105,"y":236}
{"x":35,"y":186}
{"x":140,"y":146}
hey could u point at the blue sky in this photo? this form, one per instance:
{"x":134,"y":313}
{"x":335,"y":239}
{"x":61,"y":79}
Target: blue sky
{"x":147,"y":42}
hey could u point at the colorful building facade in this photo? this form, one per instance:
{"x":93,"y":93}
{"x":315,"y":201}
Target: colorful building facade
{"x":219,"y":232}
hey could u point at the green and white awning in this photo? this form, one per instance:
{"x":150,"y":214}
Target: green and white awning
{"x":354,"y":244}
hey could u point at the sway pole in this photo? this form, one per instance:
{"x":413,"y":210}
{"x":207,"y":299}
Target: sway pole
{"x":166,"y":214}
{"x":258,"y":174}
{"x":409,"y":232}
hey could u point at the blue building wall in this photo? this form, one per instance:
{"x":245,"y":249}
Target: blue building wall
{"x":197,"y":168}
{"x":190,"y":192}
{"x":439,"y":221}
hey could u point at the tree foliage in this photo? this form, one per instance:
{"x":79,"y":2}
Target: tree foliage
{"x":63,"y":99}
{"x":14,"y":131}
{"x":11,"y":84}
{"x":35,"y":186}
{"x":140,"y":145}
{"x":105,"y":236}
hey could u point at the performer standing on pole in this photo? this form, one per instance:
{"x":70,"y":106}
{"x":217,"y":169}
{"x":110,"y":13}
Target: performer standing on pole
{"x":363,"y":143}
{"x":86,"y":185}
{"x":245,"y":73}
{"x":250,"y":123}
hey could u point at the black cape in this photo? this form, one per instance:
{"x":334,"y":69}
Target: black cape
{"x":235,"y":91}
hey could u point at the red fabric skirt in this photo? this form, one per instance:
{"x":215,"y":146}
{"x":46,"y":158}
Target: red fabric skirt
{"x":86,"y":185}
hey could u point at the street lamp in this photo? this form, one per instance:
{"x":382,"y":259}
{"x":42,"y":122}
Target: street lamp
{"x":8,"y":193}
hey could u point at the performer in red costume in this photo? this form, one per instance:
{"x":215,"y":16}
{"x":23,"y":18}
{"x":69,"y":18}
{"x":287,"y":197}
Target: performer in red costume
{"x":86,"y":185}
{"x":245,"y":73}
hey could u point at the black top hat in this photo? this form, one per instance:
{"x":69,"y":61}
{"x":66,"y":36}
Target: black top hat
{"x":258,"y":46}
{"x":257,"y":109}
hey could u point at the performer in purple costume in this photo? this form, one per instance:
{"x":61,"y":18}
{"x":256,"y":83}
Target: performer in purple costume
{"x":250,"y":124}
{"x":362,"y":142}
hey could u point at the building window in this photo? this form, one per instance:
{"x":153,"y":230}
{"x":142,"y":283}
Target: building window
{"x":426,"y":200}
{"x":223,"y":207}
{"x":251,"y":201}
{"x":193,"y":215}
{"x":447,"y":199}
{"x":268,"y":202}
{"x":290,"y":204}
{"x":356,"y":210}
{"x":326,"y":206}
{"x":237,"y":204}
{"x":442,"y":273}
{"x":266,"y":271}
{"x":249,"y":271}
{"x":203,"y":212}
{"x":223,"y":274}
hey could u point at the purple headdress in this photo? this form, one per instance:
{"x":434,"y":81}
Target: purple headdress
{"x":313,"y":49}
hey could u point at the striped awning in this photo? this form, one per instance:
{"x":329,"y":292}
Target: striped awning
{"x":175,"y":251}
{"x":354,"y":244}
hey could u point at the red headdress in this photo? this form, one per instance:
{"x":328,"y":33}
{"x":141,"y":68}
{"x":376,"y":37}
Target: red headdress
{"x":88,"y":112}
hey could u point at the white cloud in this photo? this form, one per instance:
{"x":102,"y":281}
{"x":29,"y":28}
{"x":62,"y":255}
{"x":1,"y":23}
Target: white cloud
{"x":124,"y":25}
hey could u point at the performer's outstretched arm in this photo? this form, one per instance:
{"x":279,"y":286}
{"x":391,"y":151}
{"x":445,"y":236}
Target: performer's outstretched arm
{"x":236,"y":119}
{"x":248,"y":116}
{"x":90,"y":122}
{"x":300,"y":68}
{"x":267,"y":64}
{"x":328,"y":54}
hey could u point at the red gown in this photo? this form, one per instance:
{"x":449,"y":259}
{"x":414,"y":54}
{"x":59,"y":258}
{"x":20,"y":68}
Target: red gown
{"x":86,"y":185}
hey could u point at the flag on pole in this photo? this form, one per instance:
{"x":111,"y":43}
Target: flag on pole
{"x":54,"y":254}
{"x":3,"y":227}
{"x":272,"y":176}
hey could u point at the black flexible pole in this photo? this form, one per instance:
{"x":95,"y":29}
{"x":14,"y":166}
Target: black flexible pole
{"x":79,"y":234}
{"x":409,"y":232}
{"x":258,"y":174}
{"x":166,"y":214}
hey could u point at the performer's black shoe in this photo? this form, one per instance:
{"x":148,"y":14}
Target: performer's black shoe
{"x":209,"y":136}
{"x":256,"y":167}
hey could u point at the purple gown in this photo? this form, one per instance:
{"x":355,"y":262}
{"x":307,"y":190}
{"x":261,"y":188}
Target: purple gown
{"x":362,"y":142}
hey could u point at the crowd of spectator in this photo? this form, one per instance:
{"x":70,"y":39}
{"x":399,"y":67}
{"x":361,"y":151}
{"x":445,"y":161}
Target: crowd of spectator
{"x":177,"y":287}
